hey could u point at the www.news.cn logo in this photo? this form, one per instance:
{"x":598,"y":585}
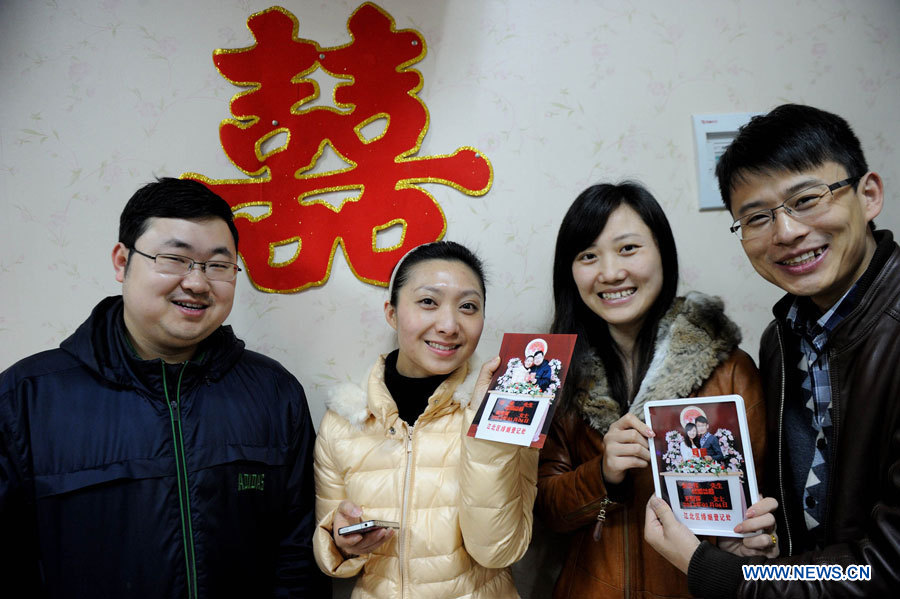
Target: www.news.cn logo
{"x":806,"y":572}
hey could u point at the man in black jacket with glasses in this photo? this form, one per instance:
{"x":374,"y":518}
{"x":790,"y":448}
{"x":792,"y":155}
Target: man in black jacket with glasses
{"x":152,"y":455}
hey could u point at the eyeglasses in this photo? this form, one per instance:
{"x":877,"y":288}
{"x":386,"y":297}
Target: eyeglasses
{"x":180,"y":266}
{"x":804,"y":206}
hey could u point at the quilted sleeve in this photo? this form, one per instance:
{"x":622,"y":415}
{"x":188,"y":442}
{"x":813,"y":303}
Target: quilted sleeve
{"x":498,"y":484}
{"x":329,"y":494}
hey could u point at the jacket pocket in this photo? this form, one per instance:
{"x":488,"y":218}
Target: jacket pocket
{"x":48,"y":485}
{"x":220,"y":455}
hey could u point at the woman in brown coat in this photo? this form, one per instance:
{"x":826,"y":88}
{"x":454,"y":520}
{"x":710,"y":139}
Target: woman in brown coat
{"x":614,"y":282}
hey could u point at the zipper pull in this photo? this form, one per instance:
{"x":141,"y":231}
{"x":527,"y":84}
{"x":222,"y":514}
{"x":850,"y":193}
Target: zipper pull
{"x":601,"y":519}
{"x":409,"y":432}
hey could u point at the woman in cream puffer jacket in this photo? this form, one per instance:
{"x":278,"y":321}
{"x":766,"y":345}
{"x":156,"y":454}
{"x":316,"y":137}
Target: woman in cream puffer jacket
{"x":464,"y":505}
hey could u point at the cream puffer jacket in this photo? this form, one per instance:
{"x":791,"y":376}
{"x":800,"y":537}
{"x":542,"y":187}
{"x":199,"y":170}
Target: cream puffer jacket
{"x":464,"y":505}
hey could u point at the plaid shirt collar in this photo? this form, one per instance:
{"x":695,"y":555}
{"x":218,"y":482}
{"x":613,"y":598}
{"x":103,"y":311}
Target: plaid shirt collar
{"x":802,"y":321}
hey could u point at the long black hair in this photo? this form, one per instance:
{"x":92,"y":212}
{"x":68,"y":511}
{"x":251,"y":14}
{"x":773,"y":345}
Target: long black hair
{"x":691,"y":442}
{"x":583,"y":223}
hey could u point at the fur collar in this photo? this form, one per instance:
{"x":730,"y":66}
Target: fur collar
{"x":357,"y":403}
{"x":693,"y":338}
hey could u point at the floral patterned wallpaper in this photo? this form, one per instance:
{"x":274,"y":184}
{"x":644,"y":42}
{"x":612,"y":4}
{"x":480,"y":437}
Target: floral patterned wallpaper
{"x":101,"y":96}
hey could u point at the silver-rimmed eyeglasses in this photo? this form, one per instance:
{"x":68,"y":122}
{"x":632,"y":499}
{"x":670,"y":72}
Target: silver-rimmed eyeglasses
{"x":180,"y":266}
{"x":804,"y":206}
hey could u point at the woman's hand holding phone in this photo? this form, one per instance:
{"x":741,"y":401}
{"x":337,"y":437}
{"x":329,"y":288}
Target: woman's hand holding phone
{"x":356,"y":543}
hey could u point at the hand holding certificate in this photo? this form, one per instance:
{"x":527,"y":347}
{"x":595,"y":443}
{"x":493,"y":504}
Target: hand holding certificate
{"x":702,"y":462}
{"x":523,"y":392}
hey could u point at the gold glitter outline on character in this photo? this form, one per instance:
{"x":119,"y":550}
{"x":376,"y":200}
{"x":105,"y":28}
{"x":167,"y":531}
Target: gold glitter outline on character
{"x":317,"y":192}
{"x":276,"y":244}
{"x":375,"y":117}
{"x":301,"y":173}
{"x":264,"y":174}
{"x":378,"y":228}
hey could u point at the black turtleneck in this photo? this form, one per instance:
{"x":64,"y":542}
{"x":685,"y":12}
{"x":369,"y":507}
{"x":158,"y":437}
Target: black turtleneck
{"x":410,"y":394}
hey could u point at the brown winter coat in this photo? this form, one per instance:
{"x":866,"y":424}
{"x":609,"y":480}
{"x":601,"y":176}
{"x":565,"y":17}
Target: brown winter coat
{"x":696,"y":355}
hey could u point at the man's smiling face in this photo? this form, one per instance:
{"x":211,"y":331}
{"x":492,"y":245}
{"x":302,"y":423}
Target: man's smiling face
{"x":819,"y":259}
{"x":167,"y":316}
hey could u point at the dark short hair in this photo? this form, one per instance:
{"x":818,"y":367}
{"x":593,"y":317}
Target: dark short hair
{"x":790,"y":138}
{"x":438,"y":250}
{"x":701,"y":419}
{"x":582,"y":224}
{"x":172,"y":198}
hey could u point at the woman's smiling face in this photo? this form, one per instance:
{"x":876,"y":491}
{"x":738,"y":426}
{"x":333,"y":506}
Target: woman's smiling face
{"x":619,"y":276}
{"x":438,"y":317}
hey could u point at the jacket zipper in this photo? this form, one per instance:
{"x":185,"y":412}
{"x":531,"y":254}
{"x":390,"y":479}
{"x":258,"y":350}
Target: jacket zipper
{"x":598,"y":504}
{"x":404,"y":519}
{"x":181,"y":476}
{"x":627,"y":553}
{"x":787,"y":524}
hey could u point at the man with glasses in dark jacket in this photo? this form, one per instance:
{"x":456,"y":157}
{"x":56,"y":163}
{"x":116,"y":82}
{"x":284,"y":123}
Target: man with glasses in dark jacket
{"x":151,"y":454}
{"x":804,"y":201}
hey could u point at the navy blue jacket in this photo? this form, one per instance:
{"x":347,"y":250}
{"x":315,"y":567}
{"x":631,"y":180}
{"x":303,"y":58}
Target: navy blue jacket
{"x":710,"y":443}
{"x":543,"y":375}
{"x":121,"y":477}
